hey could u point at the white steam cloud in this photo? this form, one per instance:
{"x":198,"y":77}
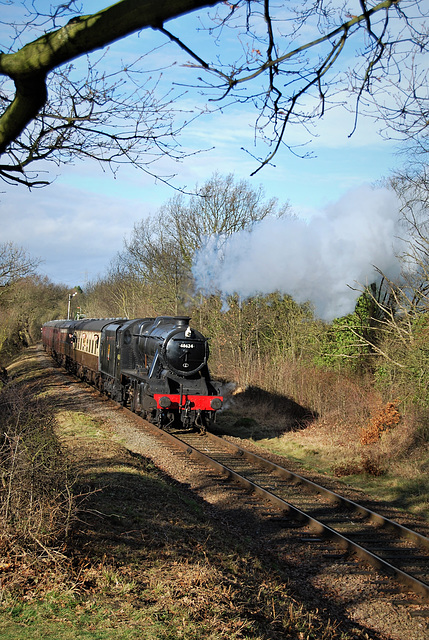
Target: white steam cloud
{"x":318,"y":260}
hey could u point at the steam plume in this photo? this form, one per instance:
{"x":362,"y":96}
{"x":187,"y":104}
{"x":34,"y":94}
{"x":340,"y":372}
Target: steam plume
{"x":318,"y":260}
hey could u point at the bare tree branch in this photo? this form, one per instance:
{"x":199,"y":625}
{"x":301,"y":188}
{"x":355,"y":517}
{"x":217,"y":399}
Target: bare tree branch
{"x":286,"y":75}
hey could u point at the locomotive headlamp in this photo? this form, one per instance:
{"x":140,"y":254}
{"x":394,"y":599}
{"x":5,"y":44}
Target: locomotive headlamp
{"x":164,"y":402}
{"x":216,"y":403}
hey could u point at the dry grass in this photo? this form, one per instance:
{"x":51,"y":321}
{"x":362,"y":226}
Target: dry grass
{"x":153,"y":566}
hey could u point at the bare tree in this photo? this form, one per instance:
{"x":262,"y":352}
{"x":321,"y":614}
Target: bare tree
{"x":397,"y":309}
{"x":162,"y":247}
{"x":221,"y":206}
{"x":153,"y":258}
{"x":51,"y":113}
{"x":412,"y":187}
{"x":15,"y":264}
{"x":293,"y":66}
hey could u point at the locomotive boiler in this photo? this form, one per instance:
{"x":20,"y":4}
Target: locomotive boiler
{"x":155,"y":366}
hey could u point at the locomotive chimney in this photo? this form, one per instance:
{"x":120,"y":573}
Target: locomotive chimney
{"x":183,"y":321}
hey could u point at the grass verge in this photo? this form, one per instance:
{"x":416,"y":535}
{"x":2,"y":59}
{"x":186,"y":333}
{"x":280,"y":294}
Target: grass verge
{"x":146,"y":562}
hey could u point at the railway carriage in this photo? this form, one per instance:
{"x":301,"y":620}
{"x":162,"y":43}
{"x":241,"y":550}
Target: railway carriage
{"x":155,"y":366}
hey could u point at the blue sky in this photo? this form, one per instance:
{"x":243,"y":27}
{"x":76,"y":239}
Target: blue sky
{"x":77,"y":224}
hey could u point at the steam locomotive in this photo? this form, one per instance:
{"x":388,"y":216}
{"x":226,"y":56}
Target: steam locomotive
{"x":155,"y":366}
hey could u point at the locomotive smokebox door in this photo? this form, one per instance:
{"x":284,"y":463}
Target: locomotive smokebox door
{"x":185,"y":355}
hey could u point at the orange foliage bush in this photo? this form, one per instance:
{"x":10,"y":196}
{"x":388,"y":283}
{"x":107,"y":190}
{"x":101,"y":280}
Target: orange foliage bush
{"x":386,"y":418}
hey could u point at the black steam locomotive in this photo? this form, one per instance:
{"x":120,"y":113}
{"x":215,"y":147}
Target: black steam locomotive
{"x":155,"y":366}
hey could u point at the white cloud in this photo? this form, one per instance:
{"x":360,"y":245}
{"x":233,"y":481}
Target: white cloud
{"x":74,"y":232}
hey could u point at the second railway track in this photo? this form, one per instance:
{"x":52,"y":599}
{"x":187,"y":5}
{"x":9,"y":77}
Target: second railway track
{"x":387,"y":546}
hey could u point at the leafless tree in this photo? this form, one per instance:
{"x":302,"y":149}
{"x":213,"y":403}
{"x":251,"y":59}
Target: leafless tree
{"x":412,"y":187}
{"x":154,"y":260}
{"x":15,"y":264}
{"x":296,"y":62}
{"x":161,"y":248}
{"x":398,"y":307}
{"x":221,"y":206}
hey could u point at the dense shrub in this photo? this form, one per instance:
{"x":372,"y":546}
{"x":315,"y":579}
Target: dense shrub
{"x":35,"y":497}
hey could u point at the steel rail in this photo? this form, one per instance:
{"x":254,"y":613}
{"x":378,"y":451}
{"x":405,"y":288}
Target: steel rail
{"x":333,"y":497}
{"x":345,"y":543}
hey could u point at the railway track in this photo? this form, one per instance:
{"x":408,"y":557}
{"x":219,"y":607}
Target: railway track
{"x":387,"y":546}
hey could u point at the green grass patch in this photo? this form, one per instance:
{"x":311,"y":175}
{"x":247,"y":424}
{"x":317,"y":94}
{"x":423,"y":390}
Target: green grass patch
{"x":308,"y":457}
{"x":75,"y":423}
